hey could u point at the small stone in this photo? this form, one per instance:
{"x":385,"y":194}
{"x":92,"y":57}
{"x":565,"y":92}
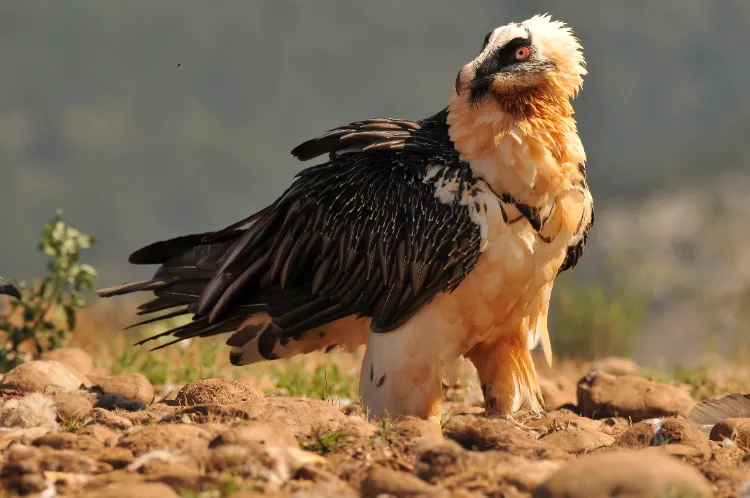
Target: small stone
{"x":384,"y":481}
{"x":614,"y":365}
{"x":270,"y":433}
{"x":68,"y":441}
{"x":49,"y":377}
{"x":624,"y":473}
{"x":217,"y":391}
{"x":102,"y":434}
{"x":477,"y":432}
{"x":22,"y":459}
{"x":75,"y":358}
{"x":21,"y":436}
{"x":174,"y":436}
{"x":573,"y":440}
{"x":660,"y":432}
{"x":109,"y":419}
{"x":736,"y":429}
{"x":300,"y":415}
{"x":31,"y":410}
{"x":132,"y":490}
{"x":71,"y":406}
{"x":602,"y":395}
{"x":133,"y":386}
{"x":557,"y":394}
{"x":438,"y":458}
{"x":412,"y":427}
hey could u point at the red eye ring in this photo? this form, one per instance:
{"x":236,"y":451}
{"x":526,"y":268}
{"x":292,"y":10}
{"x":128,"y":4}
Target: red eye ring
{"x":522,"y":53}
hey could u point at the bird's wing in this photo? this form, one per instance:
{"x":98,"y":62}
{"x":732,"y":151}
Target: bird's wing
{"x":362,"y":234}
{"x":575,"y":249}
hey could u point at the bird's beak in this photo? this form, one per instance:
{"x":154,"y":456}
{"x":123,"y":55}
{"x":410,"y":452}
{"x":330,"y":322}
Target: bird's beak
{"x":7,"y":287}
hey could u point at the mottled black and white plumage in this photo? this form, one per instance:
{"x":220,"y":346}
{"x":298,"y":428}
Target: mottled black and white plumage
{"x":362,"y":234}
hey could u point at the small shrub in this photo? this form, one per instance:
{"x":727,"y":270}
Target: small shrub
{"x":63,"y":291}
{"x":324,"y":442}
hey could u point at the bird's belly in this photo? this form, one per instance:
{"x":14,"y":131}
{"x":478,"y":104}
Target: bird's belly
{"x":510,"y":286}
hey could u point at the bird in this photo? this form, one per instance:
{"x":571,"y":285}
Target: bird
{"x":9,"y":289}
{"x":425,"y":241}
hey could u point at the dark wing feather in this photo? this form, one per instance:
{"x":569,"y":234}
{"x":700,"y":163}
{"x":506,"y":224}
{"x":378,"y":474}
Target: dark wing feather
{"x":361,"y":234}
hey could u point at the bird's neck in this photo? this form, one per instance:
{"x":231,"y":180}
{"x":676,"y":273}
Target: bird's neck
{"x":526,"y":146}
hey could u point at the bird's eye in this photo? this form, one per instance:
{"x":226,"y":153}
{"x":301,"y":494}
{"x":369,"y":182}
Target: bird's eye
{"x":522,"y":53}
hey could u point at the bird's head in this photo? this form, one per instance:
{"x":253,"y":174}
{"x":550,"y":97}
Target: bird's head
{"x":519,"y":60}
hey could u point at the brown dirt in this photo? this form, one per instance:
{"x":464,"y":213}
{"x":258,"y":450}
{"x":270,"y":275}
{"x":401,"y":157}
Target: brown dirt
{"x":221,"y":437}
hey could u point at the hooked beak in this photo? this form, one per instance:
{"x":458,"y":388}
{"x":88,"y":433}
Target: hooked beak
{"x":7,"y":287}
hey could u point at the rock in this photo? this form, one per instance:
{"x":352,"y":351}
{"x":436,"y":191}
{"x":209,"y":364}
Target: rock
{"x":32,"y":410}
{"x":412,"y":427}
{"x":105,"y":436}
{"x":675,"y":450}
{"x":624,"y":473}
{"x":496,"y":434}
{"x":437,"y":458}
{"x":736,"y":429}
{"x":21,"y":436}
{"x":271,"y":433}
{"x":488,"y":473}
{"x":359,"y":428}
{"x":173,"y":436}
{"x":68,"y":441}
{"x":217,"y":391}
{"x":72,"y":406}
{"x":75,"y":358}
{"x":180,"y":469}
{"x":118,"y":458}
{"x":660,"y":432}
{"x":614,"y":365}
{"x":557,"y":393}
{"x":133,"y":386}
{"x":21,"y":459}
{"x":274,"y":465}
{"x":602,"y":395}
{"x":573,"y":440}
{"x":558,"y":420}
{"x":49,"y":377}
{"x":300,"y":415}
{"x":132,"y":490}
{"x":109,"y":419}
{"x":23,"y":485}
{"x":383,"y":481}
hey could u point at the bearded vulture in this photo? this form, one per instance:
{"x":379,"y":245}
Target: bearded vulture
{"x":423,"y":240}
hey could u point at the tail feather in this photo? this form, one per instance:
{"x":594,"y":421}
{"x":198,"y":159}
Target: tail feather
{"x":166,"y":316}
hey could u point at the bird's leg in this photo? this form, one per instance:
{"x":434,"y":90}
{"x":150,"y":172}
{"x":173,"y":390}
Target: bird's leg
{"x":507,"y":374}
{"x":400,"y":377}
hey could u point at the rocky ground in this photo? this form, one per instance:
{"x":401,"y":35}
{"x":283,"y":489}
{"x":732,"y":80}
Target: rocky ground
{"x":69,"y":431}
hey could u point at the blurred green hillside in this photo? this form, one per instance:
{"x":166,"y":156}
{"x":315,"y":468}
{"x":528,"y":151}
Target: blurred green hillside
{"x":145,"y":120}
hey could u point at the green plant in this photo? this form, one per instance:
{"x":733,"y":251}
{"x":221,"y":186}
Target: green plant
{"x":325,"y":381}
{"x":596,"y":317}
{"x":384,"y":429}
{"x":63,"y":291}
{"x":325,"y":442}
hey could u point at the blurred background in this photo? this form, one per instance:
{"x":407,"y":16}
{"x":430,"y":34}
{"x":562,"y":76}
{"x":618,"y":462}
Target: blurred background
{"x":146,"y":120}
